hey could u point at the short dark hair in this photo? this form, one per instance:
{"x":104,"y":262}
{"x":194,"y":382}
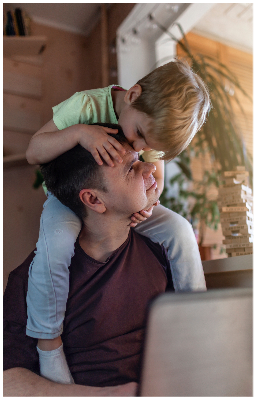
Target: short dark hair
{"x":76,"y":169}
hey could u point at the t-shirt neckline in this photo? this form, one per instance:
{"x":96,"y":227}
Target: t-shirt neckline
{"x":101,"y":263}
{"x":111,"y":100}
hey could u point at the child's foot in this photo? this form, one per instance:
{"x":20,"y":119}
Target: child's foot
{"x":52,"y":361}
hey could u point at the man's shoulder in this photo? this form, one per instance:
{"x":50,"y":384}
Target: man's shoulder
{"x":21,"y":272}
{"x":157,"y":249}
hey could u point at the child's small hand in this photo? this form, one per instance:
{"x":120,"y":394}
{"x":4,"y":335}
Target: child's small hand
{"x":95,"y":139}
{"x":136,"y":218}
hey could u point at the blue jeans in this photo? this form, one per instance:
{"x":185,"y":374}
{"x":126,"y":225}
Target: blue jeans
{"x":48,"y":282}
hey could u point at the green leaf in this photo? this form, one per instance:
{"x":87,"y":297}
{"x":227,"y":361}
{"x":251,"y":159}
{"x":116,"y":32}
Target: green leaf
{"x":185,"y":169}
{"x":38,"y":180}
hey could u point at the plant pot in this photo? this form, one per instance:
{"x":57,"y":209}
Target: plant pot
{"x":205,"y":252}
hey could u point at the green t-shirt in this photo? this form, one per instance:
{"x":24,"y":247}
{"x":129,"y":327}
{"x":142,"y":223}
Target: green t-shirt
{"x":90,"y":107}
{"x":87,"y":107}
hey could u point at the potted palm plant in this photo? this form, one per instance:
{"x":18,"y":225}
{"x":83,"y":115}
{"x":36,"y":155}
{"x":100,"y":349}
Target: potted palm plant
{"x":220,"y":137}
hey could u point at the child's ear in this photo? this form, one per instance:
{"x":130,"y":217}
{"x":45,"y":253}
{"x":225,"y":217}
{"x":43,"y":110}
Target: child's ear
{"x":92,"y":200}
{"x":132,"y":94}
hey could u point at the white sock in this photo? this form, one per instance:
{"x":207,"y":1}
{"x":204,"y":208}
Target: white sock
{"x":53,"y":365}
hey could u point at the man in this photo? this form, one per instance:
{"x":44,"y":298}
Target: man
{"x":114,"y":273}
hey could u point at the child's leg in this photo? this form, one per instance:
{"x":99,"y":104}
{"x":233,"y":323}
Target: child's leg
{"x":48,"y":282}
{"x":175,"y":233}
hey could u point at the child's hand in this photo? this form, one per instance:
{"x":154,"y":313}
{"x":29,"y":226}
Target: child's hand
{"x":95,"y":139}
{"x":136,"y":218}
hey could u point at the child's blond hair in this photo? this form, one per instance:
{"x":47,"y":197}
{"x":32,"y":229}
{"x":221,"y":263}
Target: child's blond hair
{"x":178,"y":101}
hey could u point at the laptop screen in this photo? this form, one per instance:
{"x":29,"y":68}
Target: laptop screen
{"x":199,"y":344}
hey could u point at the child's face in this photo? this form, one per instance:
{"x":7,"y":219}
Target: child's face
{"x":136,"y":126}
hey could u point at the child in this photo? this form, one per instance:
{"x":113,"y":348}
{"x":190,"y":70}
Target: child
{"x":163,"y":111}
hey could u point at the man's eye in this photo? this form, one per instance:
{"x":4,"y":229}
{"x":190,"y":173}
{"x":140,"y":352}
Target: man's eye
{"x":139,"y":133}
{"x":131,"y":168}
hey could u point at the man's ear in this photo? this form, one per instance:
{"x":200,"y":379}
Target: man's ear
{"x":132,"y":94}
{"x":91,"y":199}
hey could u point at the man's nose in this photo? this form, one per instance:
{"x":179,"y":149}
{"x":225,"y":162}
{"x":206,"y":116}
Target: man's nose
{"x":138,"y":144}
{"x":148,"y":169}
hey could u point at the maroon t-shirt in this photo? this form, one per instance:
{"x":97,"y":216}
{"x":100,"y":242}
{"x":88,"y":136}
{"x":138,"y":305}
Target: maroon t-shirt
{"x":105,"y":315}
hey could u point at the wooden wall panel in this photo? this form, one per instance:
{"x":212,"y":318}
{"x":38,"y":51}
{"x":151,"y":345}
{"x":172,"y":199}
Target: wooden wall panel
{"x":22,"y":79}
{"x":66,"y":66}
{"x":20,"y":120}
{"x":22,"y":84}
{"x":15,"y":142}
{"x":63,"y":70}
{"x":70,"y":63}
{"x":29,"y":69}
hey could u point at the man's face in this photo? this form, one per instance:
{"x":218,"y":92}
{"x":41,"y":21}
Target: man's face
{"x":136,"y":126}
{"x":131,"y":186}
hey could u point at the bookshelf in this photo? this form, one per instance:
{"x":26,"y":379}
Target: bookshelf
{"x":26,"y":46}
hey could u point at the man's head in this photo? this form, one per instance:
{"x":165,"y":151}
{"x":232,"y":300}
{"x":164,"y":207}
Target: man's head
{"x":80,"y":183}
{"x":165,"y":109}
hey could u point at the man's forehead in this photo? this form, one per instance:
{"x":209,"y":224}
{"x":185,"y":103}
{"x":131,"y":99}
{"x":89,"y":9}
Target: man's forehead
{"x":129,"y":157}
{"x":129,"y":149}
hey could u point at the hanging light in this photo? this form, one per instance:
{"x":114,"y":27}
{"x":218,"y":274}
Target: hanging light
{"x":123,"y":45}
{"x":151,"y":24}
{"x":135,"y":38}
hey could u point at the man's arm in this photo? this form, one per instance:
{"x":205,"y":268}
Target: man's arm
{"x":20,"y":382}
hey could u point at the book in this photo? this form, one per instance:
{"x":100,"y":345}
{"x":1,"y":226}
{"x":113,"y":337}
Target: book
{"x":4,"y":22}
{"x":242,"y":224}
{"x":237,"y":231}
{"x":239,"y":188}
{"x":238,"y":239}
{"x":10,"y":31}
{"x":26,"y":23}
{"x":238,"y":245}
{"x":236,"y":209}
{"x":234,"y":215}
{"x":20,"y":23}
{"x":15,"y":25}
{"x":235,"y":202}
{"x":235,"y":173}
{"x":240,"y":253}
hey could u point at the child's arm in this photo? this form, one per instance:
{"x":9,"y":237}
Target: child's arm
{"x":159,"y":177}
{"x":50,"y":142}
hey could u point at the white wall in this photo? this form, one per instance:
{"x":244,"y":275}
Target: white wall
{"x":136,"y":62}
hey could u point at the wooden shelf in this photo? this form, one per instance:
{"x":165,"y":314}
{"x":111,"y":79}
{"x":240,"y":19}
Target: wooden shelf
{"x":14,"y":160}
{"x":23,"y":45}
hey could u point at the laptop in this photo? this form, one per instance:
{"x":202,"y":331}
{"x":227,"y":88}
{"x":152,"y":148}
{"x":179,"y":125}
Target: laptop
{"x":199,"y":344}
